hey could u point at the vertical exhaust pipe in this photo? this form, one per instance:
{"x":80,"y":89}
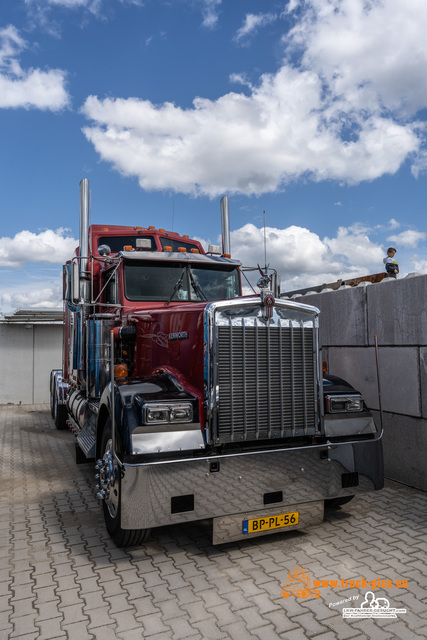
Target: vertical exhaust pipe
{"x":225,"y":227}
{"x":84,"y":236}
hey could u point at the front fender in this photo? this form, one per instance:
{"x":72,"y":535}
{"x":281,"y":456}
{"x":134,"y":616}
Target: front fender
{"x":130,"y":396}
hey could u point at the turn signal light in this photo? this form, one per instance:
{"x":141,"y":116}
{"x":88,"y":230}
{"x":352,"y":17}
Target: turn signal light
{"x":120,"y":371}
{"x":324,"y":366}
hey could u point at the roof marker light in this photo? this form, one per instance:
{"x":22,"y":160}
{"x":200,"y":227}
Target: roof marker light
{"x":182,"y":249}
{"x":167,"y":248}
{"x":194,"y":251}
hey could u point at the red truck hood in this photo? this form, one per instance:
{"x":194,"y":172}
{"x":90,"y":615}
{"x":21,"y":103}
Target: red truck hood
{"x":171,"y":338}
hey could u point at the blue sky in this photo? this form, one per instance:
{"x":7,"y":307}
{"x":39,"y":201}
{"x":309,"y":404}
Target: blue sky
{"x":313,"y":111}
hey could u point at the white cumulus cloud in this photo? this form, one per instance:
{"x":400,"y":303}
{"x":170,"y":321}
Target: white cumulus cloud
{"x":252,"y":23}
{"x":408,"y":239}
{"x":302,"y":258}
{"x":47,"y":246}
{"x":341,"y":107}
{"x":31,"y":88}
{"x":38,"y":297}
{"x":210,"y":12}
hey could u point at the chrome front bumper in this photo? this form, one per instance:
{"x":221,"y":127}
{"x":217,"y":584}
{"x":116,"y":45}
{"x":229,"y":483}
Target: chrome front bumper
{"x":170,"y":492}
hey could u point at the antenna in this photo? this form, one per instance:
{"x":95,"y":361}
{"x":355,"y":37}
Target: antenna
{"x":265,"y":245}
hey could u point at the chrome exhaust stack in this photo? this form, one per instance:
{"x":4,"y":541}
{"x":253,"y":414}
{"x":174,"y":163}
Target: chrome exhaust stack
{"x":225,"y":227}
{"x":84,"y":236}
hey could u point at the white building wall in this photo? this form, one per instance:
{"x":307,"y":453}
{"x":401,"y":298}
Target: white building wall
{"x":27,"y":356}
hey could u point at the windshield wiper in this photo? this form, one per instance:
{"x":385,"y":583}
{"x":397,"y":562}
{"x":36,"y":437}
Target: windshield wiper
{"x":178,"y":285}
{"x":196,"y":286}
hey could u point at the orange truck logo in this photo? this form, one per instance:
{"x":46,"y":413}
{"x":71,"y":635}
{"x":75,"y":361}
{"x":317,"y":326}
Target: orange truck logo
{"x":298,"y":584}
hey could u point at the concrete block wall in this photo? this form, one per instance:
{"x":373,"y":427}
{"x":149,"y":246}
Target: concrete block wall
{"x":396,"y":312}
{"x":28,"y":354}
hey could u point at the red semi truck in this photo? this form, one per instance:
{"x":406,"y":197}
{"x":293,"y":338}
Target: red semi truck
{"x":196,"y":401}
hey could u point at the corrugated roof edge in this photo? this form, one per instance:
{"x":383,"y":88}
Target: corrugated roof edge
{"x":33,"y":316}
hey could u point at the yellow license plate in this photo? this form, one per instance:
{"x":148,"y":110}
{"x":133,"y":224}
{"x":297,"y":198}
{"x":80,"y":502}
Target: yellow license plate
{"x":270,"y":522}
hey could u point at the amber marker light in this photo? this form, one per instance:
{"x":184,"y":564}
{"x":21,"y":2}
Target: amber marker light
{"x":105,"y":228}
{"x":324,"y":366}
{"x":182,"y":249}
{"x":167,"y":248}
{"x":226,"y":255}
{"x":120,"y":371}
{"x":194,"y":251}
{"x":127,"y":247}
{"x":151,"y":228}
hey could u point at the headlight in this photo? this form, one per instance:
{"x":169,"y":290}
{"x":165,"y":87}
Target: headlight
{"x":167,"y":413}
{"x":344,"y":404}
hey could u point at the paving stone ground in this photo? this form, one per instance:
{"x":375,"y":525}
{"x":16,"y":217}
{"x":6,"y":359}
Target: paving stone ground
{"x":62,"y":578}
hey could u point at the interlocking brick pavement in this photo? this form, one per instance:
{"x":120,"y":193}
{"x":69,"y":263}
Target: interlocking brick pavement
{"x":62,"y":578}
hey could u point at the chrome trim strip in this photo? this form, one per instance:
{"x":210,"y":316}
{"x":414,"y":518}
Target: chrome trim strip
{"x":304,"y":381}
{"x":245,"y":430}
{"x":329,"y":445}
{"x":282,"y":408}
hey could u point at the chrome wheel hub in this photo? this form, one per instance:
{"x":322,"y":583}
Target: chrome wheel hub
{"x":107,"y":476}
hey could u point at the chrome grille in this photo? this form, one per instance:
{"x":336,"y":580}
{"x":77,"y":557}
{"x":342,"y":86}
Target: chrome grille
{"x":266,"y":379}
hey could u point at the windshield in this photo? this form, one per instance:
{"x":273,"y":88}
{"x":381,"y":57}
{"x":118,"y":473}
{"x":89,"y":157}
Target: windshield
{"x":177,"y":281}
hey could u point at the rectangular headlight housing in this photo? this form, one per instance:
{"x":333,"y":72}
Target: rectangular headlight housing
{"x":344,"y":404}
{"x":165,"y":413}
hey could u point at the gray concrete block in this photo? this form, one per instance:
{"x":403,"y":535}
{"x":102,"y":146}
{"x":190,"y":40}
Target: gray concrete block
{"x":423,"y":380}
{"x":400,"y":380}
{"x":397,"y":311}
{"x":357,"y":367}
{"x":405,"y":444}
{"x":399,"y":376}
{"x":343,"y":316}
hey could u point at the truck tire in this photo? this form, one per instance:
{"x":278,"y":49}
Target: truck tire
{"x":110,"y":483}
{"x":335,"y":503}
{"x":59,"y":413}
{"x":52,"y":402}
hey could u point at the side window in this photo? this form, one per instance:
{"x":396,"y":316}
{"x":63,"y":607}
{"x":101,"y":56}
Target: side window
{"x":110,"y":291}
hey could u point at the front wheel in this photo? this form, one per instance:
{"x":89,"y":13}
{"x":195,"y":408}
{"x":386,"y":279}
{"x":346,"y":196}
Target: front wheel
{"x":109,"y":490}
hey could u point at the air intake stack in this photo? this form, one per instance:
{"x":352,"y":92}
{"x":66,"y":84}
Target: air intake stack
{"x":225,"y":227}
